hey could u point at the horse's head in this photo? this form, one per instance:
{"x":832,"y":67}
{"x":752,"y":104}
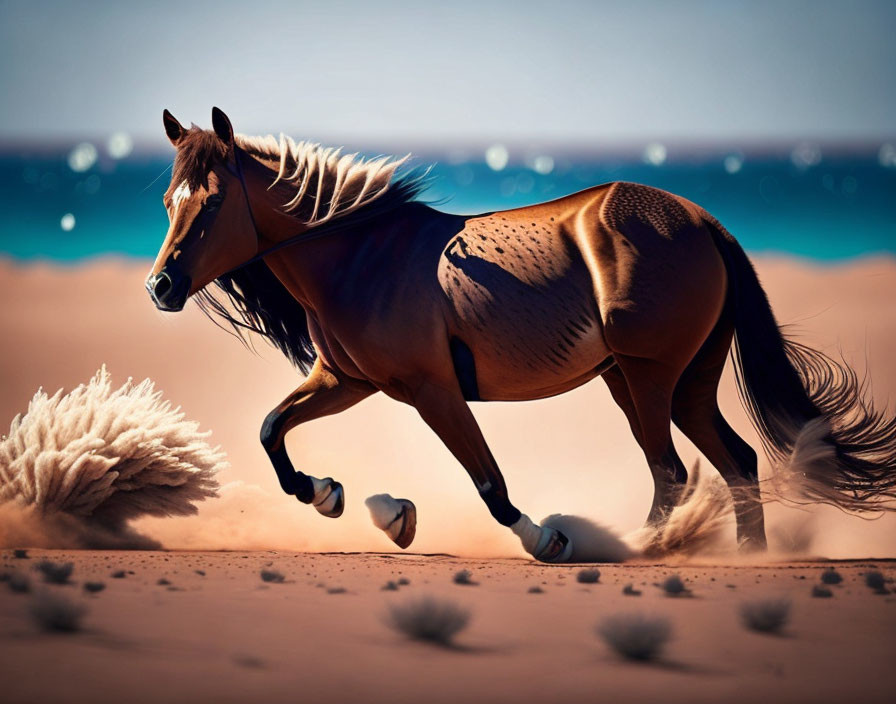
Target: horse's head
{"x":211,"y":229}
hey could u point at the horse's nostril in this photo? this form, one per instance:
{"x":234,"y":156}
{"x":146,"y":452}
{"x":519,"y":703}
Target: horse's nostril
{"x":162,"y":286}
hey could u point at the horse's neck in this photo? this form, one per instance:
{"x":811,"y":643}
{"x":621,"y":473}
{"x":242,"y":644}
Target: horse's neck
{"x":272,"y":224}
{"x":313,"y":268}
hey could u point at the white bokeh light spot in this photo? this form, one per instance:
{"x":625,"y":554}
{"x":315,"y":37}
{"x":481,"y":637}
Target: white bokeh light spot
{"x":120,"y":145}
{"x":82,"y":157}
{"x":655,"y":154}
{"x":806,"y":154}
{"x":497,"y":156}
{"x":67,"y":223}
{"x":543,"y":164}
{"x":733,"y":163}
{"x":886,"y":156}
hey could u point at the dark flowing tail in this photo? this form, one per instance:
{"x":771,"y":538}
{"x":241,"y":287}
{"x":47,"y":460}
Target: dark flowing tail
{"x":814,"y":414}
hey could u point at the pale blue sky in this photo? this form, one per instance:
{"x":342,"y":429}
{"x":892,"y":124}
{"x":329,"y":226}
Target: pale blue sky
{"x":459,"y":70}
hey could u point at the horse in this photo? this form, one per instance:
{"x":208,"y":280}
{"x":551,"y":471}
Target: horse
{"x":335,"y":260}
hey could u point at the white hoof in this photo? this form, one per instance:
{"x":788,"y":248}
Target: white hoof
{"x":397,"y":518}
{"x":329,"y":497}
{"x":543,"y":543}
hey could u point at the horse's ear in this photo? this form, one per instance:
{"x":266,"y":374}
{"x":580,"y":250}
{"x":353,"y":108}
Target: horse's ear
{"x":173,"y":128}
{"x":221,"y":125}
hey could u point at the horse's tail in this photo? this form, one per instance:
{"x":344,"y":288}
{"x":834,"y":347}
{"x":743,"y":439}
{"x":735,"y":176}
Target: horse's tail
{"x":814,"y":415}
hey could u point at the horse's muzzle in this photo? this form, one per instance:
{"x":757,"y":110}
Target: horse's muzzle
{"x":169,"y":289}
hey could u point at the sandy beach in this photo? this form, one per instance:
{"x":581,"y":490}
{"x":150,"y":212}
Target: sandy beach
{"x":226,"y":636}
{"x":321,"y":635}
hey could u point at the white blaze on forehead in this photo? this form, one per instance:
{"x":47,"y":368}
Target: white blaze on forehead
{"x":181,"y":193}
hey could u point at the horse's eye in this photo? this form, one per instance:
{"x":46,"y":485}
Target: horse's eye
{"x":213,"y":202}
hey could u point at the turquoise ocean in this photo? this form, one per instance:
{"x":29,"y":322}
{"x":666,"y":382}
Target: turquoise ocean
{"x":811,"y":201}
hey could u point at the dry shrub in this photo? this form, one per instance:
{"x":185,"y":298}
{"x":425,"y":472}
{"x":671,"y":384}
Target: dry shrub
{"x":464,"y":577}
{"x":588,"y":576}
{"x":272,"y":576}
{"x":19,"y":583}
{"x":765,"y":615}
{"x":673,"y":585}
{"x":831,"y":576}
{"x":55,"y":572}
{"x":56,"y":612}
{"x":429,"y":619}
{"x":636,"y":636}
{"x":78,"y":467}
{"x":876,"y":581}
{"x":821,"y":592}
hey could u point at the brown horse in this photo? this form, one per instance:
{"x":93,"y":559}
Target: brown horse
{"x":333,"y":260}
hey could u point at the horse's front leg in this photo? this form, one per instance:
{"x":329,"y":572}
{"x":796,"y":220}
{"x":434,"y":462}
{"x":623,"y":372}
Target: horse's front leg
{"x":323,"y":393}
{"x":447,"y":413}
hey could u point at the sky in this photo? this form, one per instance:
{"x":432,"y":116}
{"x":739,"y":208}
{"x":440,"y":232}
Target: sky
{"x":460,"y":70}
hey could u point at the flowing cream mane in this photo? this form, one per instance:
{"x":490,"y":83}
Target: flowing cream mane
{"x":328,"y":184}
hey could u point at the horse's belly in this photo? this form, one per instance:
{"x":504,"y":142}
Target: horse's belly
{"x":526,"y":309}
{"x":514,"y":368}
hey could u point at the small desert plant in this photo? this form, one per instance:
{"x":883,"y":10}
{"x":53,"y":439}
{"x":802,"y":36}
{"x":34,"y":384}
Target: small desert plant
{"x":588,"y":576}
{"x":765,"y":615}
{"x":94,"y":587}
{"x":55,"y":612}
{"x":90,"y":461}
{"x":831,"y":576}
{"x":464,"y":577}
{"x":55,"y":572}
{"x":429,"y":619}
{"x":19,"y":583}
{"x":629,"y":590}
{"x":20,"y":554}
{"x":272,"y":576}
{"x":390,"y":586}
{"x":674,"y":586}
{"x":876,"y":581}
{"x":403,"y":581}
{"x":635,"y":636}
{"x":536,"y":590}
{"x":820,"y":592}
{"x":163,"y":582}
{"x":119,"y":574}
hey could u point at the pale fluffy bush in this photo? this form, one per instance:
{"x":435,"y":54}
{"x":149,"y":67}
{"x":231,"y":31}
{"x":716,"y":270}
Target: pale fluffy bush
{"x":77,"y":468}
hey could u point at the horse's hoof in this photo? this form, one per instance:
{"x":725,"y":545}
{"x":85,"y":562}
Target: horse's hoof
{"x":330,"y":499}
{"x":403,"y":529}
{"x":557,"y":547}
{"x":397,"y":518}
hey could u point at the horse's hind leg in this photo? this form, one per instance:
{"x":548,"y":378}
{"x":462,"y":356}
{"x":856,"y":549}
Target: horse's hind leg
{"x":695,"y":411}
{"x":323,"y":393}
{"x":643,"y":388}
